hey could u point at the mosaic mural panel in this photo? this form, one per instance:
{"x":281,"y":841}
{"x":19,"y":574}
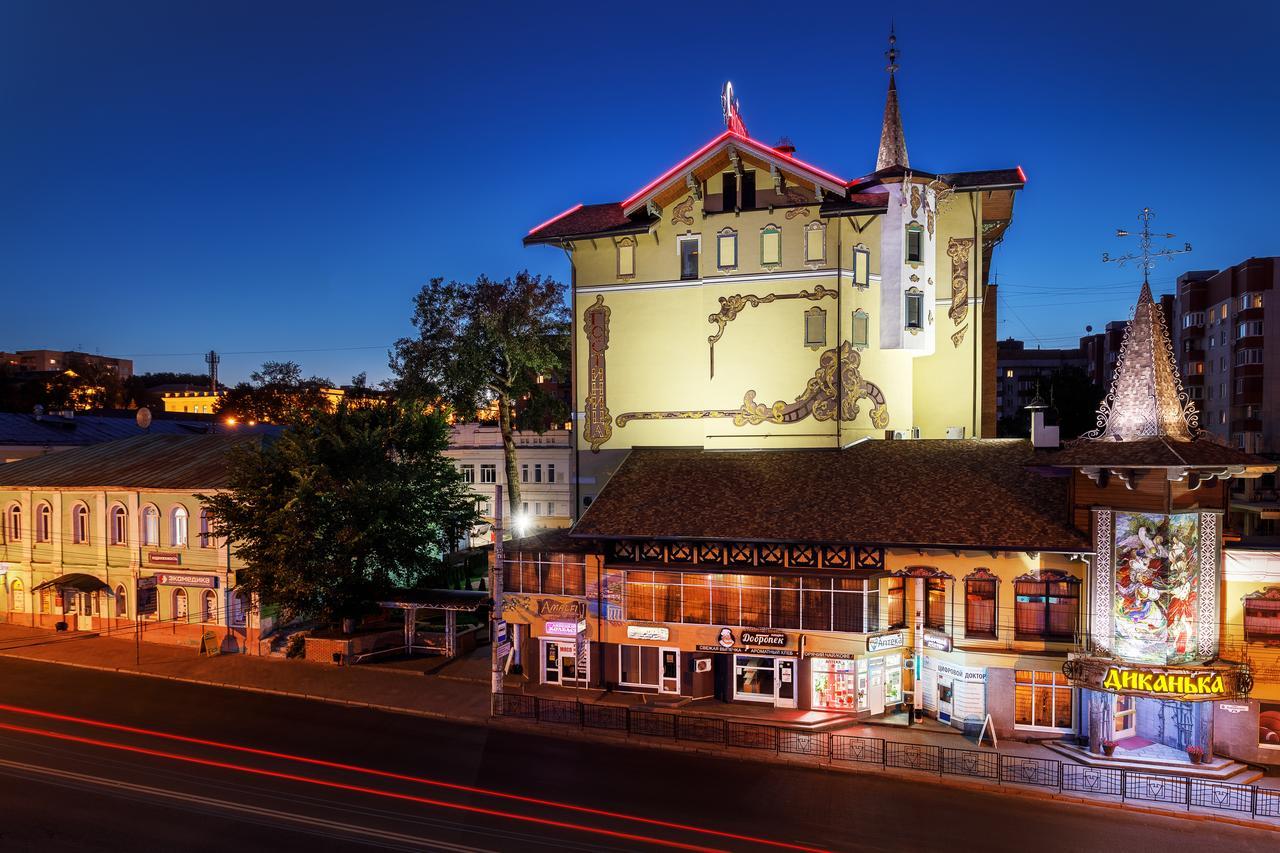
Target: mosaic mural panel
{"x":1157,"y":587}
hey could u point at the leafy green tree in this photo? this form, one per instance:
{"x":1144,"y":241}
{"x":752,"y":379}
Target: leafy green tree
{"x":275,"y":394}
{"x":342,"y":507}
{"x":486,"y":342}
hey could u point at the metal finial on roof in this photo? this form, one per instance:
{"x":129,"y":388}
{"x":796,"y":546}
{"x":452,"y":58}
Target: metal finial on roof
{"x":1146,"y":399}
{"x":893,"y":145}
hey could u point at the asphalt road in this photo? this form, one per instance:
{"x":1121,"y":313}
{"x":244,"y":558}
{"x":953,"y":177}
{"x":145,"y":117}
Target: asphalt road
{"x":311,"y":776}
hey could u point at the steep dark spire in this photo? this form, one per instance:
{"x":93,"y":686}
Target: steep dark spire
{"x":893,"y":145}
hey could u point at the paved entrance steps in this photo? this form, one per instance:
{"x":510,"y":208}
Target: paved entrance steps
{"x":1220,"y":770}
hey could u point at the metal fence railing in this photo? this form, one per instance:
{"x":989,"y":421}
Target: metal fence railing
{"x":988,"y":765}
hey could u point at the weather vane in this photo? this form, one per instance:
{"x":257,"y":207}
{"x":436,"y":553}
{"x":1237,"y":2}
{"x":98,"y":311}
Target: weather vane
{"x":1145,"y":255}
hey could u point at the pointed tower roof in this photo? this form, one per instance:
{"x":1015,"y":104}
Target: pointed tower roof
{"x":1146,"y":399}
{"x":893,"y":145}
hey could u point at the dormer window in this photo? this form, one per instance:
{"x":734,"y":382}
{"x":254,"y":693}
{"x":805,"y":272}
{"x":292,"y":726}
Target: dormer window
{"x":727,"y":249}
{"x":770,"y":246}
{"x":728,"y":191}
{"x":915,"y":244}
{"x":747,"y":198}
{"x":626,"y":257}
{"x":815,"y":243}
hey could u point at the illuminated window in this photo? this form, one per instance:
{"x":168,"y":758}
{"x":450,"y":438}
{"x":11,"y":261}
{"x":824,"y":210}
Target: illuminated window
{"x":815,"y":328}
{"x":980,"y":605}
{"x":727,"y":249}
{"x":861,"y":268}
{"x":815,"y":243}
{"x":1262,"y":616}
{"x":1042,"y":700}
{"x":860,"y":330}
{"x":770,"y":246}
{"x":897,"y":603}
{"x":178,"y":526}
{"x":915,"y":244}
{"x":1046,"y":609}
{"x":80,"y":524}
{"x":626,"y":257}
{"x":18,"y":597}
{"x":119,"y":525}
{"x":915,"y":309}
{"x":935,"y":603}
{"x":1247,"y":301}
{"x":689,"y":256}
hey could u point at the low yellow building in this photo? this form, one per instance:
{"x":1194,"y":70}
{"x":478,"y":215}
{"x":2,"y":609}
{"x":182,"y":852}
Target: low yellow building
{"x":96,"y":537}
{"x":1251,"y":632}
{"x":204,"y":401}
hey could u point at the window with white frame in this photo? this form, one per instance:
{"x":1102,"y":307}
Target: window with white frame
{"x":119,"y":525}
{"x":915,"y":309}
{"x":178,"y":526}
{"x":638,"y":666}
{"x":13,"y":523}
{"x":815,"y":243}
{"x":150,"y":525}
{"x":488,"y":473}
{"x":688,"y":247}
{"x":44,"y":523}
{"x":915,"y":244}
{"x":80,"y":524}
{"x":1253,"y":355}
{"x":770,"y":246}
{"x":468,"y":473}
{"x":1043,"y":700}
{"x":551,"y":472}
{"x":1192,"y":318}
{"x":524,"y":472}
{"x":1249,"y":329}
{"x":860,"y":329}
{"x":1249,"y":300}
{"x":537,"y":473}
{"x":727,"y":249}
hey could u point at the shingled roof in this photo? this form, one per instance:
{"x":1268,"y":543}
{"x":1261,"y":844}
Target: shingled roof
{"x":975,"y":494}
{"x":143,"y":462}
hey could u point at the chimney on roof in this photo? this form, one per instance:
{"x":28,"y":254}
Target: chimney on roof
{"x":1041,"y":435}
{"x":785,"y":146}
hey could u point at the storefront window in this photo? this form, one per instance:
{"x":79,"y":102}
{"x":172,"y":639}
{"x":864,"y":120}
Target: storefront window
{"x":892,"y":679}
{"x":638,"y":666}
{"x":785,"y":599}
{"x":1269,"y":724}
{"x":697,"y":599}
{"x":755,"y":601}
{"x":753,"y":678}
{"x":1042,"y":700}
{"x":816,"y":615}
{"x":838,"y":685}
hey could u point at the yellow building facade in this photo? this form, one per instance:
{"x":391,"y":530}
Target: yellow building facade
{"x":748,"y":299}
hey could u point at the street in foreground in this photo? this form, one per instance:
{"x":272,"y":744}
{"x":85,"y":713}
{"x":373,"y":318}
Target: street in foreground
{"x":77,"y":785}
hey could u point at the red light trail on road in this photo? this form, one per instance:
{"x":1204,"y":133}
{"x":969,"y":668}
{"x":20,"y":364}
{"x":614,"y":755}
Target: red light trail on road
{"x":334,"y":765}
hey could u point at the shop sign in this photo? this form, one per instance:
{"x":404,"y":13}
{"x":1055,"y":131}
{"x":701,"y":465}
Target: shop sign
{"x":937,"y":642}
{"x":169,"y":558}
{"x":884,"y":642}
{"x":773,"y":639}
{"x":1187,"y":683}
{"x":825,"y":655}
{"x":1234,"y":709}
{"x":655,"y":633}
{"x":558,"y":608}
{"x":564,"y":629}
{"x":750,"y":642}
{"x":170,"y":579}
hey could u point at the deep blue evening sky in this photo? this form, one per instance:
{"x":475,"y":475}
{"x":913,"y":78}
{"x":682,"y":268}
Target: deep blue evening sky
{"x":268,"y":176}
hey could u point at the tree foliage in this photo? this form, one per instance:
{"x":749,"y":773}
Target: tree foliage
{"x":486,"y":342}
{"x":342,"y":507}
{"x":276,"y":394}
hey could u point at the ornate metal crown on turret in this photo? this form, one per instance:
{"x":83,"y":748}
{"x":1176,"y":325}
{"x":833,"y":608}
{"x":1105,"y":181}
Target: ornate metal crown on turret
{"x":1146,"y":399}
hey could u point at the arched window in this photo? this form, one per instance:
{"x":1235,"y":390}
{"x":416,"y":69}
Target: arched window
{"x":210,"y":606}
{"x":122,"y":602}
{"x":239,"y":607}
{"x":44,"y":523}
{"x":13,"y":523}
{"x":206,"y":528}
{"x":119,"y":525}
{"x":178,"y":526}
{"x":179,"y":605}
{"x":150,"y":525}
{"x":18,"y":599}
{"x":80,"y":524}
{"x":980,"y":596}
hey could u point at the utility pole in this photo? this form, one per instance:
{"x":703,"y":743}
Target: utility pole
{"x":1146,"y":255}
{"x":495,"y":591}
{"x":212,"y":358}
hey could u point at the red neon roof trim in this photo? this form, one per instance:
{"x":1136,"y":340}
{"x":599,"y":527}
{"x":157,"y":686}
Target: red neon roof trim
{"x":556,"y":218}
{"x":1022,"y":174}
{"x":701,"y":152}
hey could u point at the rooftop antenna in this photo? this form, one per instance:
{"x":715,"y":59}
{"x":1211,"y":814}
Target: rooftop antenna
{"x":212,"y":358}
{"x":1146,"y":255}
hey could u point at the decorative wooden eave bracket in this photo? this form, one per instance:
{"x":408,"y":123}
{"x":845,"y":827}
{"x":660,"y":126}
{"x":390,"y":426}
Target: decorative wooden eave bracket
{"x":694,"y":185}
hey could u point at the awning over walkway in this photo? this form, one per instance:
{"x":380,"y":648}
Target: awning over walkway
{"x":437,"y":599}
{"x":77,"y":581}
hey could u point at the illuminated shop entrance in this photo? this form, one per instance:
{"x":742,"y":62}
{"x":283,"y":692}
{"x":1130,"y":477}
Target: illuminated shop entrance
{"x":758,"y":678}
{"x":561,"y":664}
{"x":862,"y":685}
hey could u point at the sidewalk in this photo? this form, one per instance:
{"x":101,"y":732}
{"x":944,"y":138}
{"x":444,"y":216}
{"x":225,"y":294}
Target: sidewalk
{"x":459,"y":691}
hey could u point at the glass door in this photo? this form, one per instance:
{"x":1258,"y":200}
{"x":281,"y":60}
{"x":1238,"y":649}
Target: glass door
{"x":669,"y":677}
{"x":785,"y":683}
{"x":875,"y":691}
{"x":550,"y":662}
{"x":1124,"y":717}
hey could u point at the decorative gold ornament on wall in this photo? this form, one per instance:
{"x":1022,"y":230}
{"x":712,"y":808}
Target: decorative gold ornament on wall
{"x":835,"y":390}
{"x":597,"y":428}
{"x":958,"y":249}
{"x":682,"y":213}
{"x":731,"y":306}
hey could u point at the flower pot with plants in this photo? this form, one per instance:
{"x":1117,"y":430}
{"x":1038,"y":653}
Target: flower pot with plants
{"x":1108,"y":747}
{"x":1195,"y":753}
